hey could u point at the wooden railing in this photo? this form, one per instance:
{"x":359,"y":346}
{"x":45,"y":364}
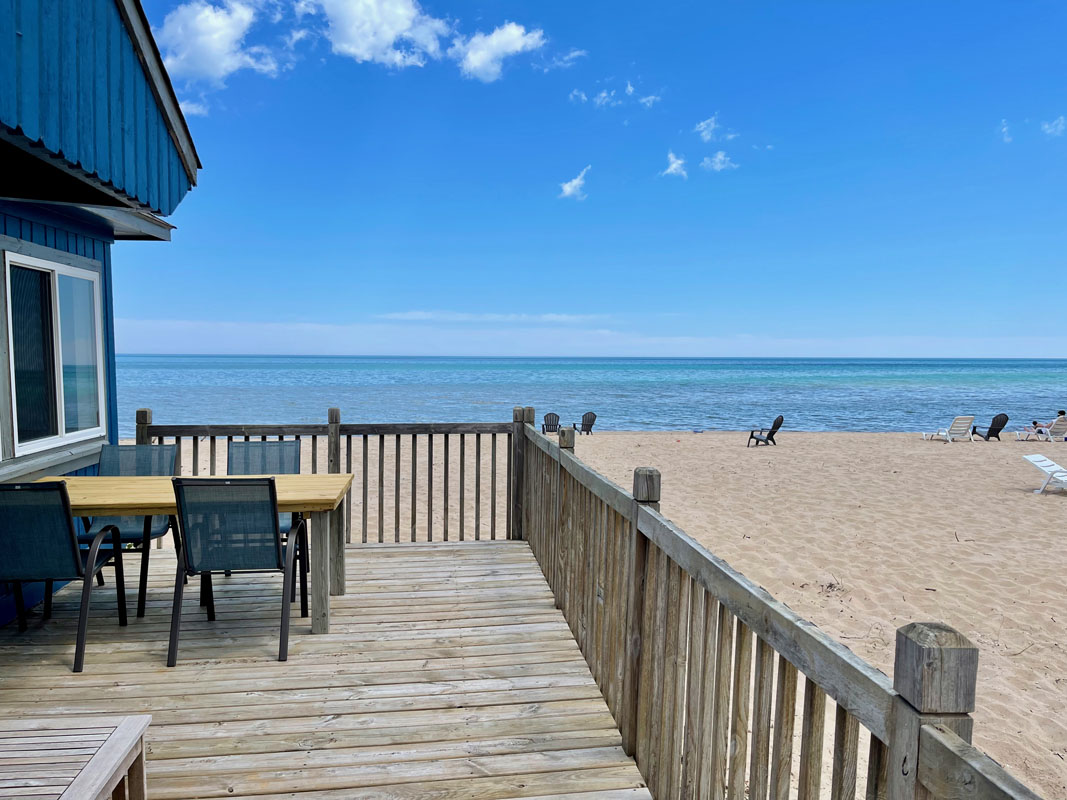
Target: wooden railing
{"x":414,"y":481}
{"x":702,"y":669}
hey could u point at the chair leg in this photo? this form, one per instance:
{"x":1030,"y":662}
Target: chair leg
{"x":146,"y":548}
{"x":49,"y":587}
{"x":120,"y":578}
{"x":20,"y":606}
{"x":303,"y":572}
{"x":287,"y":588}
{"x":83,"y":620}
{"x":176,"y":615}
{"x":100,"y":578}
{"x":209,"y":595}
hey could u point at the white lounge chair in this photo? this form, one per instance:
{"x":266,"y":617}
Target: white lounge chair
{"x":1056,"y":475}
{"x":959,"y":429}
{"x":1048,"y":433}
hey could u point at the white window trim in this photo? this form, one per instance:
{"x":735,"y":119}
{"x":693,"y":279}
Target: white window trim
{"x":57,"y":269}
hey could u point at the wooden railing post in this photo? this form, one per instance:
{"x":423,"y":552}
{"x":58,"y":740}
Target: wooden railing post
{"x":935,"y":671}
{"x":647,"y":484}
{"x":143,"y":419}
{"x":518,"y":457}
{"x":566,"y":439}
{"x":527,"y":510}
{"x":337,"y":527}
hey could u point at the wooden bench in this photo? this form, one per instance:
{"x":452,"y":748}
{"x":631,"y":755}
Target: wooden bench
{"x":73,"y":758}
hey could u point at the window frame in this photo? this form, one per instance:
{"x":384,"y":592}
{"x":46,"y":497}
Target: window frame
{"x":55,"y":268}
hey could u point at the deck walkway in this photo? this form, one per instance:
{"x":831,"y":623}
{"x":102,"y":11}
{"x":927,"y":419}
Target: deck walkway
{"x":448,"y":673}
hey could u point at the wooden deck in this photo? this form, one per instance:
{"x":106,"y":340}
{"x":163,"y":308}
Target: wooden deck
{"x":449,"y":673}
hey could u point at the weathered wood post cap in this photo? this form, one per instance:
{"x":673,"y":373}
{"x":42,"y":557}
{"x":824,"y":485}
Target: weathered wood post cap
{"x":528,"y":415}
{"x":566,"y":438}
{"x":935,"y":668}
{"x":333,"y":416}
{"x":647,"y":485}
{"x":144,"y":416}
{"x":518,"y":413}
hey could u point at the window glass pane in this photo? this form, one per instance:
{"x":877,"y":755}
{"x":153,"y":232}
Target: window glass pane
{"x":77,"y":331}
{"x":33,"y":353}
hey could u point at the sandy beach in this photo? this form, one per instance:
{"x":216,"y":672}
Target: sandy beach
{"x":863,"y":533}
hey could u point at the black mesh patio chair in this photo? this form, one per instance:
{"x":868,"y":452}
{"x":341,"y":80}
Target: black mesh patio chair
{"x":586,"y":425}
{"x":137,"y":532}
{"x":39,"y":543}
{"x":993,"y":431}
{"x":273,"y":458}
{"x":230,"y":524}
{"x":765,"y":435}
{"x":551,"y":423}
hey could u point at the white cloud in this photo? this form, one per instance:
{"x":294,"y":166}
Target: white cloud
{"x":707,"y":128}
{"x":466,"y":316}
{"x":675,"y":166}
{"x":1056,"y":127}
{"x":296,"y":36}
{"x":577,"y":96}
{"x":1005,"y":131}
{"x":194,"y":108}
{"x":629,"y":88}
{"x":606,"y":99}
{"x":482,"y":55}
{"x":396,"y":33}
{"x":564,"y":61}
{"x":649,"y":101}
{"x":205,"y":42}
{"x":573,"y":187}
{"x":718,"y":162}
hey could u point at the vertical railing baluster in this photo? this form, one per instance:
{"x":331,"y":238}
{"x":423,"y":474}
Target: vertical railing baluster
{"x":492,"y":489}
{"x":446,"y":487}
{"x":178,"y":446}
{"x":314,"y":455}
{"x":365,"y":493}
{"x":477,"y":486}
{"x":381,"y":487}
{"x":196,"y":455}
{"x":212,"y":454}
{"x":414,"y":480}
{"x":429,"y":487}
{"x":508,"y":505}
{"x":462,"y":475}
{"x":348,"y":494}
{"x":396,"y":491}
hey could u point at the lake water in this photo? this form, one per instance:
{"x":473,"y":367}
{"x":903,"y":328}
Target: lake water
{"x":626,"y":393}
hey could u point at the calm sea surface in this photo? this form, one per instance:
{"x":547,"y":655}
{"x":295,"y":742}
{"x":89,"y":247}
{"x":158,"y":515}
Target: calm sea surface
{"x":626,"y":393}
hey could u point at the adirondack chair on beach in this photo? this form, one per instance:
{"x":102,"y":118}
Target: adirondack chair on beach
{"x":765,"y":435}
{"x":994,"y":429}
{"x":959,"y":429}
{"x":551,"y":423}
{"x":586,"y":425}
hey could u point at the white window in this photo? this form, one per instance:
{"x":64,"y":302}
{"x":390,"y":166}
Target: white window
{"x":55,"y":350}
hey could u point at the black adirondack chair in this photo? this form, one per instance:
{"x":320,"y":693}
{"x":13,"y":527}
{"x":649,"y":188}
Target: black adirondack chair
{"x":39,"y":543}
{"x":995,"y":427}
{"x":551,"y":423}
{"x":586,"y":425}
{"x":230,"y":524}
{"x":765,"y":435}
{"x":137,"y":532}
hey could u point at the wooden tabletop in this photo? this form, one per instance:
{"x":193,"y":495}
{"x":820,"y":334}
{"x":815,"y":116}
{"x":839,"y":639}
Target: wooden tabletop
{"x":143,"y":496}
{"x":69,"y":758}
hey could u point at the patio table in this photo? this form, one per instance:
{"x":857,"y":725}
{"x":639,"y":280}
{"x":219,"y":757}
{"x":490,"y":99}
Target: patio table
{"x":73,"y":758}
{"x":315,"y":496}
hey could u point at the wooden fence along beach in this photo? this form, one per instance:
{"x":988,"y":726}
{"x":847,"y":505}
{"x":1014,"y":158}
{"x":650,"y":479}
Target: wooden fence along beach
{"x":701,"y":669}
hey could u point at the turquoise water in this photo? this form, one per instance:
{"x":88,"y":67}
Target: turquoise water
{"x":626,"y":393}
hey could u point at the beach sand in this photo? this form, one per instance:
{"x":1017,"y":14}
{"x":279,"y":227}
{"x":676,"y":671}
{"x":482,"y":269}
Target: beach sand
{"x":863,"y":533}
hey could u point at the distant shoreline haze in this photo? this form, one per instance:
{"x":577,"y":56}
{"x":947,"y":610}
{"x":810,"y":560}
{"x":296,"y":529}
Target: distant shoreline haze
{"x":632,"y":393}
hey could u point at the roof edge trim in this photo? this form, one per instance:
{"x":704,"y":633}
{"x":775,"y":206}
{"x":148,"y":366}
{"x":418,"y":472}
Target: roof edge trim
{"x":148,"y":53}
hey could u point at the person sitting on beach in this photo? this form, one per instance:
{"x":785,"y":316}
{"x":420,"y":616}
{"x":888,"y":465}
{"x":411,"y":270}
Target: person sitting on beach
{"x":1038,"y":427}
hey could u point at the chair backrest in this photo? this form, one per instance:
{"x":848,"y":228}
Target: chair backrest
{"x":1058,"y":427}
{"x":961,"y":426}
{"x":138,"y":459}
{"x":776,"y":424}
{"x":588,"y":418}
{"x":551,"y":422}
{"x":1046,"y":465}
{"x":228,"y":524}
{"x":37,"y":537}
{"x":997,"y":425}
{"x":263,"y":458}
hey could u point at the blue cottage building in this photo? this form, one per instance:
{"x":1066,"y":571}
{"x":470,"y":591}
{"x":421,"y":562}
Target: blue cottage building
{"x":93,"y":150}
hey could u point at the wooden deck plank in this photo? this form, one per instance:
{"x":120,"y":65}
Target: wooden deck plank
{"x":448,"y":673}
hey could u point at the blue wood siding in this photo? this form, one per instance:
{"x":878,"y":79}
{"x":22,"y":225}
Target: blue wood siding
{"x":71,"y":81}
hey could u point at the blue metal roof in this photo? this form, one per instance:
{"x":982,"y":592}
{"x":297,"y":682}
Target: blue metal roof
{"x":82,"y":81}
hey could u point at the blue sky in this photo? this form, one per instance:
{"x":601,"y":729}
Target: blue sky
{"x":450,"y":177}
